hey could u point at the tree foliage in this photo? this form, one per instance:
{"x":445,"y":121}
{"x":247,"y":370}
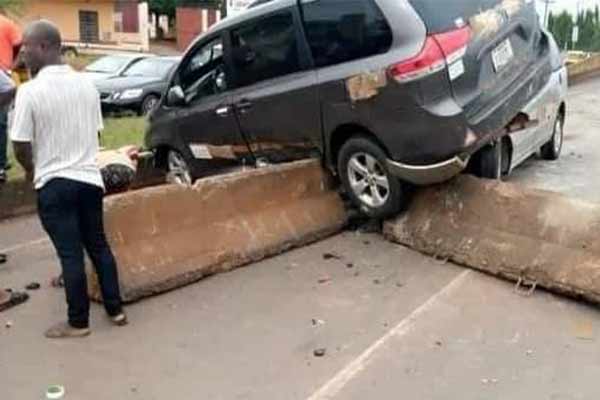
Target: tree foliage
{"x":588,"y":21}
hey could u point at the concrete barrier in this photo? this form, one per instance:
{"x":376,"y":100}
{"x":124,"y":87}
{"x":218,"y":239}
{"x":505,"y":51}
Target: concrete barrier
{"x":580,"y":71}
{"x":169,"y":236}
{"x":531,"y":236}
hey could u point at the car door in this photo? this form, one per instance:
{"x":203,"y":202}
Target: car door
{"x":206,"y":121}
{"x":276,"y":100}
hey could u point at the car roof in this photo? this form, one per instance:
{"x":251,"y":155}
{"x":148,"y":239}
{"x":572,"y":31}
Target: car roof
{"x":249,"y":13}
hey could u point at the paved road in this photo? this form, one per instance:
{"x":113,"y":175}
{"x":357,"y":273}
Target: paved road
{"x":395,"y":325}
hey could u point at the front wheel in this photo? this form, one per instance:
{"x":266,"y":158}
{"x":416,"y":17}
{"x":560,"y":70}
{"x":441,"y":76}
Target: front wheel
{"x":551,"y":150}
{"x":149,"y":103}
{"x":362,"y":166}
{"x":179,"y":171}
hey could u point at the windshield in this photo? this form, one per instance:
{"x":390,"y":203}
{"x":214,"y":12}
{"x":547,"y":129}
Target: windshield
{"x":108,"y":64}
{"x":151,"y":67}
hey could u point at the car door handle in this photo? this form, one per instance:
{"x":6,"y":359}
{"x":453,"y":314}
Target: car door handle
{"x":243,"y":106}
{"x":222,"y":111}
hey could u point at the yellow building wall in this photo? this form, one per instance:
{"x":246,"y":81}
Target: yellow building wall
{"x":65,"y":14}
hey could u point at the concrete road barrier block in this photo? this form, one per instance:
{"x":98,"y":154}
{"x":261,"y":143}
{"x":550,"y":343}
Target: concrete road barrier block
{"x":169,"y":236}
{"x":535,"y":236}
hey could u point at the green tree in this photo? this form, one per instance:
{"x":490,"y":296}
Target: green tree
{"x":563,"y":29}
{"x":10,"y":6}
{"x":551,"y":21}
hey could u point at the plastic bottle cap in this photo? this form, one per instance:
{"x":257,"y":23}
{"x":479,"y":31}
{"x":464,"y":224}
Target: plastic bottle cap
{"x":55,"y":392}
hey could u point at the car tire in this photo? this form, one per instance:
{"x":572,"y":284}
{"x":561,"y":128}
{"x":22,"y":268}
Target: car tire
{"x":178,"y":169}
{"x":489,"y":161}
{"x":551,"y":150}
{"x":148,"y":104}
{"x":362,"y":167}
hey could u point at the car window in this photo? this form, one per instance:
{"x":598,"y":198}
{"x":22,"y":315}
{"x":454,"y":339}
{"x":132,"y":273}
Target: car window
{"x":204,"y":72}
{"x":344,"y":30}
{"x":444,"y":16}
{"x":265,"y":49}
{"x":151,"y":68}
{"x":108,"y":64}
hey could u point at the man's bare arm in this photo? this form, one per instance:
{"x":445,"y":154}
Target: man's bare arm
{"x":24,"y":155}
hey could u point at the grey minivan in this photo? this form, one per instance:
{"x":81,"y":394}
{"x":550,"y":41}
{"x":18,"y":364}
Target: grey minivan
{"x":389,"y":93}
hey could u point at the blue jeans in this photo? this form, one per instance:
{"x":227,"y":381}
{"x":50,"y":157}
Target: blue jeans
{"x":71,"y":213}
{"x":3,"y":137}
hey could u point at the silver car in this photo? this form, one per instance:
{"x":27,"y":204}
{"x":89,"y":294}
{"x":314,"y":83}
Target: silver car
{"x":546,"y":114}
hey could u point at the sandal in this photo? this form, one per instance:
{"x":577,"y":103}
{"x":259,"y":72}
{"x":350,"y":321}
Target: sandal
{"x":64,"y":330}
{"x":10,"y":299}
{"x":119,"y":319}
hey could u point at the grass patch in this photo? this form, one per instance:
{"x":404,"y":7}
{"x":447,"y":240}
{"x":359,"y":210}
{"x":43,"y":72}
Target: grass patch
{"x":118,"y":132}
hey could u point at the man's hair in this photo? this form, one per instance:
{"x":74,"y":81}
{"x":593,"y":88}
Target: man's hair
{"x":45,"y":31}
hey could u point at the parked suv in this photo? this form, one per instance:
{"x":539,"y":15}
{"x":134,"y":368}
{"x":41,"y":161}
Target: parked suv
{"x":388,"y":92}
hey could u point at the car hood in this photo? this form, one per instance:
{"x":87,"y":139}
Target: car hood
{"x":127,"y":82}
{"x":97,"y":76}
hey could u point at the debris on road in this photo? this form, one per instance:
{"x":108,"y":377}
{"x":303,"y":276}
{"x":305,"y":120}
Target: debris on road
{"x":584,"y":330}
{"x":439,"y":343}
{"x":349,"y":265}
{"x":331,"y":256}
{"x":399,"y":285}
{"x":529,"y":353}
{"x":377,"y":281}
{"x":317,"y":322}
{"x":324,"y":279}
{"x":8,"y":324}
{"x":33,"y":286}
{"x":57,"y":282}
{"x":10,"y":299}
{"x":3,"y":258}
{"x":320,"y":352}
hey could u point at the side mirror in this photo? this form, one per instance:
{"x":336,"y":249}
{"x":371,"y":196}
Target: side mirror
{"x":175,"y":96}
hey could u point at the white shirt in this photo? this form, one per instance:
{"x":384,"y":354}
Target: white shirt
{"x":59,"y":112}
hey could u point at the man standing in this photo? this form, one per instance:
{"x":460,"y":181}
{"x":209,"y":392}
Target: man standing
{"x":7,"y":93}
{"x":10,"y":42}
{"x":55,"y":135}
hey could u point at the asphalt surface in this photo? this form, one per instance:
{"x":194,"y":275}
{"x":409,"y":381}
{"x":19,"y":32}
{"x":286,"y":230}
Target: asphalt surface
{"x":394,"y":324}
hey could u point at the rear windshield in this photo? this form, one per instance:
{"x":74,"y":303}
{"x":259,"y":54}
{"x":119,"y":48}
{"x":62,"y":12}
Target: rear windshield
{"x":445,"y":15}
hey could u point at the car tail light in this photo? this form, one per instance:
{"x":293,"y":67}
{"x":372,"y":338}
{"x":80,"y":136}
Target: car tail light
{"x":439,"y":50}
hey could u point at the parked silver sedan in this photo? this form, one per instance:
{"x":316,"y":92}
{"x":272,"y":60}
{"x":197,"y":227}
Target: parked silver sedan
{"x":546,"y":114}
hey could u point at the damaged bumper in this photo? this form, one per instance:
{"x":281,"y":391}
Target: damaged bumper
{"x":429,"y":174}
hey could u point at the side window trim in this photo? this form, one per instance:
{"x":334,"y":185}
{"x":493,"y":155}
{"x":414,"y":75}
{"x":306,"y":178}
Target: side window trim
{"x":224,"y":36}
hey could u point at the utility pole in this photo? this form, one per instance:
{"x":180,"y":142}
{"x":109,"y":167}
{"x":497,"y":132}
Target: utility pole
{"x":547,"y":4}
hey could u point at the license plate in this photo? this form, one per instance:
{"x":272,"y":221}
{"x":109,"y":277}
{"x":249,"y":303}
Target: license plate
{"x":502,"y":55}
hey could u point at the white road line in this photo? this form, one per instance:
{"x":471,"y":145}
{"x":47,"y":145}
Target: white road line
{"x":32,"y":243}
{"x":335,"y":385}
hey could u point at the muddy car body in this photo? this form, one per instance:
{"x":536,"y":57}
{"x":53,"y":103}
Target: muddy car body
{"x":388,"y":92}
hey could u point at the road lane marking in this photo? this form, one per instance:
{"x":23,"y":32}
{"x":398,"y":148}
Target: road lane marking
{"x":338,"y":382}
{"x":33,"y":243}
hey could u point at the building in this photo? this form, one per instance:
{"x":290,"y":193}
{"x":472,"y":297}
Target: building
{"x":119,"y":24}
{"x":194,"y":18}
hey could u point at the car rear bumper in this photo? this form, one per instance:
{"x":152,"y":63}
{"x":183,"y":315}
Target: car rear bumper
{"x":428,"y":174}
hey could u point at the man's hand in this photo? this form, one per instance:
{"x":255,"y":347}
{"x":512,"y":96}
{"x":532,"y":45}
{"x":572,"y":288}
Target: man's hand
{"x":24,"y":154}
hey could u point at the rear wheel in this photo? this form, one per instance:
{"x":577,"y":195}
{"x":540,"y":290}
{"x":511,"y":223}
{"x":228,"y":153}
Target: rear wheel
{"x":489,"y":161}
{"x":551,"y":150}
{"x":367,"y":180}
{"x":178,"y":168}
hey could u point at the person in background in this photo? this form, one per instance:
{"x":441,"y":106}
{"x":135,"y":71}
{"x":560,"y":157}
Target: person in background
{"x":7,"y":93}
{"x":10,"y":43}
{"x":58,"y":152}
